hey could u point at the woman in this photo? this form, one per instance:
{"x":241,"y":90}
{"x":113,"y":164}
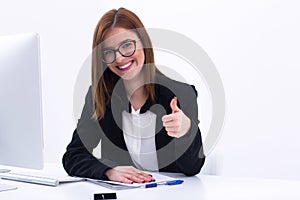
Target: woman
{"x":132,"y":111}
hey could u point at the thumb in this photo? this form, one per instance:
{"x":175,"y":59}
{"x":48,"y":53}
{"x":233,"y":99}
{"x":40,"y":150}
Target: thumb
{"x":174,"y":106}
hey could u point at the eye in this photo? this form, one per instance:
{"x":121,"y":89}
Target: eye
{"x":127,"y":45}
{"x":108,"y":52}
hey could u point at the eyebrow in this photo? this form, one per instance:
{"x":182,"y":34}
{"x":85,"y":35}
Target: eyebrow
{"x":119,"y":44}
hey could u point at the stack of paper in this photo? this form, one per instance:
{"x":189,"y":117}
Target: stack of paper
{"x":159,"y":180}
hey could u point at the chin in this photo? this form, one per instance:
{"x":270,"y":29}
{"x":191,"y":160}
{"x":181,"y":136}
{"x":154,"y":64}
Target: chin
{"x":127,"y":77}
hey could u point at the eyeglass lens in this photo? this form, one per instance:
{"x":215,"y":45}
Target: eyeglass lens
{"x":126,"y":49}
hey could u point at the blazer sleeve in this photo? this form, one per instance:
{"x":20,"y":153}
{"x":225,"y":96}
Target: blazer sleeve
{"x":189,"y":148}
{"x":78,"y":159}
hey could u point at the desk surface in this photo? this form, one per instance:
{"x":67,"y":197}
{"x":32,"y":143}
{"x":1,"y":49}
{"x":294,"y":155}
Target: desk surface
{"x":200,"y":187}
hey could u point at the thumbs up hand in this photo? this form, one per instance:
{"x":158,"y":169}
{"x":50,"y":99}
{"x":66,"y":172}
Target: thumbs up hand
{"x":177,"y":124}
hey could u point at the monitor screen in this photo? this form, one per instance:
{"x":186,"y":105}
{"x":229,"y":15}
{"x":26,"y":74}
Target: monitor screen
{"x":21,"y":130}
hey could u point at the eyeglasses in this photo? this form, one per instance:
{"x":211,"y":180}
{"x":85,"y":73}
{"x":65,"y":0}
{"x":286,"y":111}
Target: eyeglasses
{"x":126,"y":49}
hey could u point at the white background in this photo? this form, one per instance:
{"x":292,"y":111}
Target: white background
{"x":254,"y":45}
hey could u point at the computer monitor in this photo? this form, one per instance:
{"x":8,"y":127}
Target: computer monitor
{"x":21,"y":124}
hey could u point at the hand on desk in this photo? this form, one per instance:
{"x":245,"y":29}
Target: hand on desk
{"x":128,"y":174}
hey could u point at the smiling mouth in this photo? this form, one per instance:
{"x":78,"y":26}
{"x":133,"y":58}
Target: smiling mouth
{"x":126,"y":66}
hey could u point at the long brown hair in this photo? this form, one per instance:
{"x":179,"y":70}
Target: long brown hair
{"x":103,"y":80}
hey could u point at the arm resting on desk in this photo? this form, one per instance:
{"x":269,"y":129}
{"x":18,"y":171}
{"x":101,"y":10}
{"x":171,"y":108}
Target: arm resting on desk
{"x":78,"y":161}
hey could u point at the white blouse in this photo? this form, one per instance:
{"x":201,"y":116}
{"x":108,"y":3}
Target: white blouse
{"x":139,"y":135}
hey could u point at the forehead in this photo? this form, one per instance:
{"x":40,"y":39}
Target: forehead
{"x":117,"y":35}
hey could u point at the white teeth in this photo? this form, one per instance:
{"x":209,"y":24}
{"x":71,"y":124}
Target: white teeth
{"x":125,"y":66}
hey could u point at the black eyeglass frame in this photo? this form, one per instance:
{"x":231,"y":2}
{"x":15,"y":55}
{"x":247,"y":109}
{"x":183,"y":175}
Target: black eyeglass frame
{"x":118,"y":50}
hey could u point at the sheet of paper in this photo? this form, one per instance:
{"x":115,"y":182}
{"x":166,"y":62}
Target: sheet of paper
{"x":121,"y":186}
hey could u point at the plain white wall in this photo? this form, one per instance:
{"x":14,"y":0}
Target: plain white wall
{"x":254,"y":45}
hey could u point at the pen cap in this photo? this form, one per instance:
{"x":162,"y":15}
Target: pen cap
{"x":176,"y":182}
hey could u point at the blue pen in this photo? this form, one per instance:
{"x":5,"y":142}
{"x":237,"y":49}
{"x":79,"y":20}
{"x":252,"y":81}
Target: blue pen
{"x":173,"y":182}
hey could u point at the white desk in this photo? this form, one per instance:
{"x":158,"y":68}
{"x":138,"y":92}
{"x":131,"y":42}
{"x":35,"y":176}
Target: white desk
{"x":200,"y":187}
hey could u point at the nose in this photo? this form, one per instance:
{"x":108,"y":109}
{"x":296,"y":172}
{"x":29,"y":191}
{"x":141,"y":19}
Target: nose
{"x":119,"y":57}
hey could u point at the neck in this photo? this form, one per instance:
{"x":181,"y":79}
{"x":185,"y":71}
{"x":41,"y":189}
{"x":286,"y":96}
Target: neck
{"x":135,"y":86}
{"x":136,"y":93}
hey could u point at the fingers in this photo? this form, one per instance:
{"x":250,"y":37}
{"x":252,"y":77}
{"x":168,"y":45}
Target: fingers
{"x":137,"y":178}
{"x":172,"y":129}
{"x":128,"y":174}
{"x":173,"y":134}
{"x":168,"y":118}
{"x":123,"y":179}
{"x":138,"y":173}
{"x":172,"y":123}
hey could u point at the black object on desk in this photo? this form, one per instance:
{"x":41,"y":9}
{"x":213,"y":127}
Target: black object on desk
{"x":105,"y":196}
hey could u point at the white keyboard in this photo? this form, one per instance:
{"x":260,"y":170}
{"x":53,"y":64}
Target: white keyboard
{"x":4,"y":187}
{"x":37,"y":179}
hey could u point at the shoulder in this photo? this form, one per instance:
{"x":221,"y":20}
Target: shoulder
{"x":169,"y":86}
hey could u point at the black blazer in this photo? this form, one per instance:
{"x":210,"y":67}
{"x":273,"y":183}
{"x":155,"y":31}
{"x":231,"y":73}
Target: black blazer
{"x":184,"y":155}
